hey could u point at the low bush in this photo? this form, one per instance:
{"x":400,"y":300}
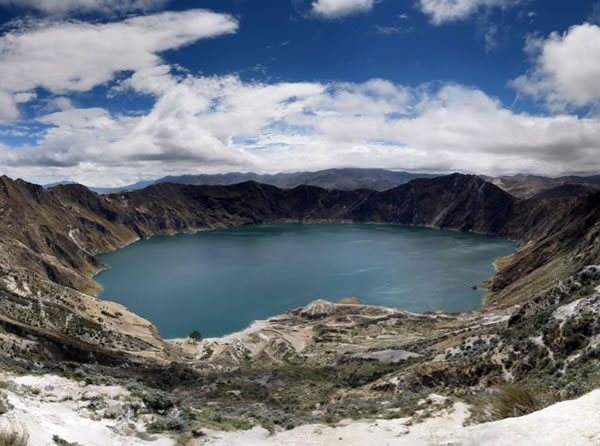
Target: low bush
{"x":167,"y":423}
{"x":158,"y":400}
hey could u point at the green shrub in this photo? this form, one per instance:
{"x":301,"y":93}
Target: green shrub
{"x":167,"y":424}
{"x":145,"y":436}
{"x":158,"y":400}
{"x":62,"y":442}
{"x":513,"y":400}
{"x":207,"y":353}
{"x":586,"y":291}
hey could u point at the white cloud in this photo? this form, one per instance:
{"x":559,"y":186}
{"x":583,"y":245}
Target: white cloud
{"x":59,"y":103}
{"x":566,"y":68}
{"x":64,"y":57}
{"x":391,"y":30}
{"x":76,"y":56}
{"x":331,"y":9}
{"x":442,"y":11}
{"x":490,"y":36}
{"x":8,"y":107}
{"x":27,"y":96}
{"x":64,"y":7}
{"x":216,"y":124}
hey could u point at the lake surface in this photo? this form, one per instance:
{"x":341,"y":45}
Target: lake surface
{"x":220,"y":281}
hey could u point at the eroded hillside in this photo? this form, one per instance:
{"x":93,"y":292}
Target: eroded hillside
{"x":322,"y":362}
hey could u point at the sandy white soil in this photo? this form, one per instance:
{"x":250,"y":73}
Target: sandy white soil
{"x":60,"y":409}
{"x":58,"y":406}
{"x":572,"y":423}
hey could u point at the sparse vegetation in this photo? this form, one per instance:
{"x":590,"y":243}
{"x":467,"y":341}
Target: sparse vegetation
{"x":145,"y":436}
{"x":207,"y":354}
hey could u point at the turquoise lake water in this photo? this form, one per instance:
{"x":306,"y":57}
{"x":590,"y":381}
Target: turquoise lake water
{"x":220,"y":281}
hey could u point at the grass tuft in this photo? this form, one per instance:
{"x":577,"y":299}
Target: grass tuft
{"x":513,"y":400}
{"x":14,"y":437}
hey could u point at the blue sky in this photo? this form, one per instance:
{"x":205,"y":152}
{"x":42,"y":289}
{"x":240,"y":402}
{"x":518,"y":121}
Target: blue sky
{"x":109,"y":92}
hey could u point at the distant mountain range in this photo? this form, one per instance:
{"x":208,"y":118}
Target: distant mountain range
{"x":340,"y":179}
{"x":105,"y":190}
{"x":521,"y":186}
{"x":529,"y":186}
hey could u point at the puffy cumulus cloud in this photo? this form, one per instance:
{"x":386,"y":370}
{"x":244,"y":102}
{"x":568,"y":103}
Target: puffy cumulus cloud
{"x":442,"y":11}
{"x":73,"y":56}
{"x":217,"y":124}
{"x":566,"y":68}
{"x":331,"y":9}
{"x":8,"y":106}
{"x":64,"y":7}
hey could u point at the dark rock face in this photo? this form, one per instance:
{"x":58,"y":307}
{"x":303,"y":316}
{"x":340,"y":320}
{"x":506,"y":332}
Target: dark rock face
{"x":460,"y":202}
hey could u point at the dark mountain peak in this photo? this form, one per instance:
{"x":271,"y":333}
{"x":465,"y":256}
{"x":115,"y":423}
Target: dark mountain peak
{"x":455,"y":180}
{"x":20,"y":190}
{"x":76,"y":192}
{"x":58,"y":183}
{"x":458,"y":201}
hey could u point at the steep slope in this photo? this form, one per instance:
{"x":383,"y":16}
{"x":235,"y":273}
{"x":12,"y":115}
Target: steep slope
{"x":559,"y":237}
{"x":460,"y":202}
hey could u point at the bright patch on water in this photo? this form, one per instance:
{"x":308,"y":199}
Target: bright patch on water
{"x":220,"y":281}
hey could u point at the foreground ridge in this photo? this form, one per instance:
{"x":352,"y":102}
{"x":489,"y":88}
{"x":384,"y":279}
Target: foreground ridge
{"x":114,"y":409}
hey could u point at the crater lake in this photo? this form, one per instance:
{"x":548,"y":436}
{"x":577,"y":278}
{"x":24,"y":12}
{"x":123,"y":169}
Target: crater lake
{"x":219,"y":281}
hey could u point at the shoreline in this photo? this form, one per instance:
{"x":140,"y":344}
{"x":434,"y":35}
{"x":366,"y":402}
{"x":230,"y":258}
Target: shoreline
{"x":299,"y":222}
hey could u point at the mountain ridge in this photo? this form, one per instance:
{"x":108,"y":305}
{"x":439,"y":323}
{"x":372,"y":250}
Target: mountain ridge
{"x":343,"y":178}
{"x":521,"y":185}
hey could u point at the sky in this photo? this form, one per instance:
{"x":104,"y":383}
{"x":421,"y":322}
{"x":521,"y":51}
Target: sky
{"x":110,"y":92}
